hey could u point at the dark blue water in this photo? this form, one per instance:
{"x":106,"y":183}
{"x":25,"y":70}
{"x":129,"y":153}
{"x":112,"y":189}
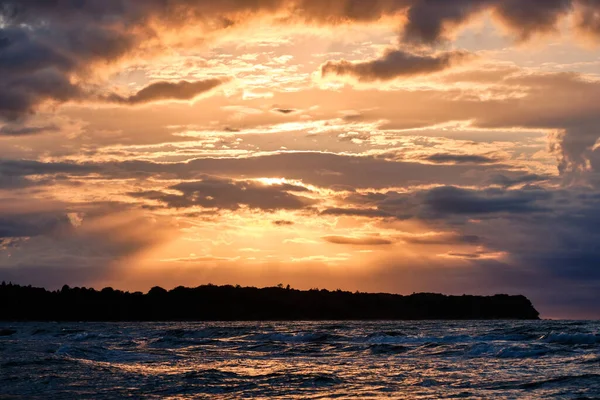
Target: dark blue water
{"x":420,"y":360}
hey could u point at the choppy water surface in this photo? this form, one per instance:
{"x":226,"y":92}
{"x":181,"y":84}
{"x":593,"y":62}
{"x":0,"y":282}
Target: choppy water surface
{"x":301,"y":360}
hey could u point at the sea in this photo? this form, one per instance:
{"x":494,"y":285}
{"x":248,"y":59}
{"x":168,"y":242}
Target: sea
{"x":301,"y":360}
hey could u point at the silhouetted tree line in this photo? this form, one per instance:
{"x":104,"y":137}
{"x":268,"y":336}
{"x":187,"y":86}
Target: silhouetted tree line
{"x":227,"y":303}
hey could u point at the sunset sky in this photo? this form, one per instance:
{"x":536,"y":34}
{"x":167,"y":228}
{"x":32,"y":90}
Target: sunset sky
{"x":385,"y":145}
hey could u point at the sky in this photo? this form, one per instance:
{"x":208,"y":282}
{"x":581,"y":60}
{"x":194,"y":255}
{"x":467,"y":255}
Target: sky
{"x":384,"y":146}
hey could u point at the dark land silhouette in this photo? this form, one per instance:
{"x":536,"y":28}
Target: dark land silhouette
{"x":229,"y":303}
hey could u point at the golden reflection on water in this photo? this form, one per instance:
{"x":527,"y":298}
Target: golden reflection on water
{"x":304,"y":360}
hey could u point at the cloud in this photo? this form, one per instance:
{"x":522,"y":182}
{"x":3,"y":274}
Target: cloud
{"x":442,"y":239}
{"x":508,"y":182}
{"x":573,"y":115}
{"x":587,"y":19}
{"x":446,"y":158}
{"x":213,"y":192}
{"x":16,"y":174}
{"x":75,"y":246}
{"x":558,"y":250}
{"x":50,"y":52}
{"x":571,"y":118}
{"x":37,"y":63}
{"x":339,"y":172}
{"x":449,"y":203}
{"x":551,"y":255}
{"x":202,"y":259}
{"x":20,"y":130}
{"x":52,"y":61}
{"x":357,"y":241}
{"x":284,"y":111}
{"x":452,"y":200}
{"x":24,"y":93}
{"x":283,"y":223}
{"x":19,"y":173}
{"x":356,"y":212}
{"x":394,"y":64}
{"x":527,"y":18}
{"x":31,"y":224}
{"x":31,"y":167}
{"x":157,"y":91}
{"x":431,"y":21}
{"x":327,"y":170}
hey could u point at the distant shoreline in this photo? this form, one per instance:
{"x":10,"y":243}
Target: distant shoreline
{"x":245,"y":304}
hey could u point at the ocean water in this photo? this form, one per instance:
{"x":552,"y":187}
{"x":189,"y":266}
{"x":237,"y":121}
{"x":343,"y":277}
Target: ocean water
{"x":301,"y":360}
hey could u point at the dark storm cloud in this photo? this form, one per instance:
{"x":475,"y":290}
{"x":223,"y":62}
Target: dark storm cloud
{"x":182,"y":90}
{"x":450,"y":200}
{"x":17,"y":225}
{"x":427,"y":19}
{"x":447,"y":202}
{"x":526,"y":18}
{"x":430,"y":20}
{"x":212,"y":192}
{"x":21,"y":94}
{"x":559,"y":251}
{"x":548,"y":239}
{"x":394,"y":64}
{"x":37,"y":62}
{"x":552,"y":231}
{"x":354,"y":241}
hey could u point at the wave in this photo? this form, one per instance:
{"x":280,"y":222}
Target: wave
{"x":315,"y":379}
{"x":100,"y":353}
{"x":571,"y":338}
{"x":383,"y":338}
{"x":212,"y":375}
{"x":562,"y":380}
{"x":293,"y":337}
{"x":524,"y":352}
{"x":207,"y":332}
{"x":382,"y":349}
{"x":297,"y":360}
{"x":40,"y":362}
{"x":268,"y":347}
